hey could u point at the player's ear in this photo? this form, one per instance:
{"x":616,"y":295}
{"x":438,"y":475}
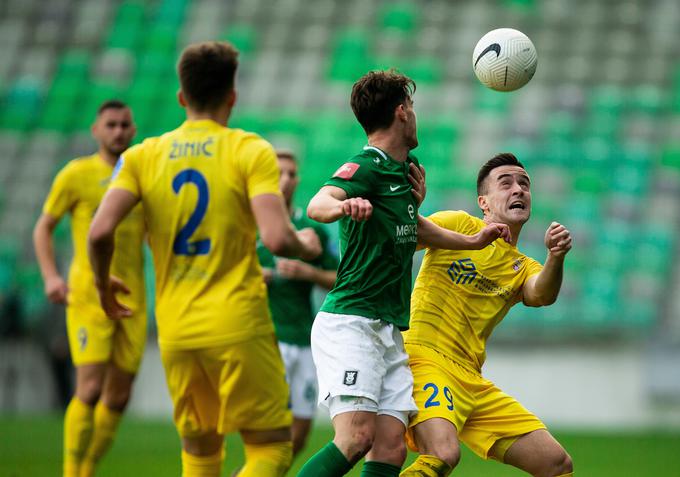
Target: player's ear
{"x":231,"y":98}
{"x":483,"y":203}
{"x":181,"y":99}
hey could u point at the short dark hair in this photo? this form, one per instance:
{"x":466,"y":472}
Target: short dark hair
{"x":206,"y":73}
{"x":375,"y":96}
{"x":111,"y":104}
{"x":502,"y":159}
{"x":286,"y":154}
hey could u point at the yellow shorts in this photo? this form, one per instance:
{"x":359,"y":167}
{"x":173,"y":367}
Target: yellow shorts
{"x":94,"y":338}
{"x":240,"y":386}
{"x":481,"y":412}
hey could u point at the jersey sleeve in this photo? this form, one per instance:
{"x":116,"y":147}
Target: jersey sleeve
{"x":355,"y":177}
{"x":126,"y":174}
{"x":62,"y":196}
{"x":532,"y":267}
{"x":261,"y":169}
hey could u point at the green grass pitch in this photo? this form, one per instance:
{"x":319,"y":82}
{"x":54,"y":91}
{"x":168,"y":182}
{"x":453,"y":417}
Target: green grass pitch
{"x":32,"y":447}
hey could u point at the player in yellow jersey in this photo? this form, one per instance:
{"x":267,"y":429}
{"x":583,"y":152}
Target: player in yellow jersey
{"x":106,"y":354}
{"x":458,"y":299}
{"x":206,"y":190}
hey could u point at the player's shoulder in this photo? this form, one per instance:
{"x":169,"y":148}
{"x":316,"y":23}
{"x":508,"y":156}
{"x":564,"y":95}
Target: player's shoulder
{"x":81,"y":164}
{"x":241,"y":138}
{"x":459,"y":216}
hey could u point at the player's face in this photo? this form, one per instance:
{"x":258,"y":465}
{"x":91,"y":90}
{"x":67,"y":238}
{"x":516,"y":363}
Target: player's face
{"x":114,"y":130}
{"x":508,"y":195}
{"x":410,"y":126}
{"x":289,"y":179}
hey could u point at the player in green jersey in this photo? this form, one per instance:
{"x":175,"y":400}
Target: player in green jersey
{"x":363,"y":372}
{"x":289,"y":287}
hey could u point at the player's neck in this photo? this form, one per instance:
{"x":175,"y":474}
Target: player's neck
{"x":220,"y":116}
{"x":107,"y":157}
{"x":389,"y":143}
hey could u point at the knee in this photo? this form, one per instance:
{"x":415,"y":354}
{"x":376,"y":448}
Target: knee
{"x":358,"y":443}
{"x":448,"y":454}
{"x":89,"y":391}
{"x":392,"y":451}
{"x":117,"y":398}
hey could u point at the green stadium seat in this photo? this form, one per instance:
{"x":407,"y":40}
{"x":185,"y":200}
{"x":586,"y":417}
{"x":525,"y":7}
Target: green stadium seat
{"x":32,"y":297}
{"x":607,"y":100}
{"x":21,"y":104}
{"x":486,"y":99}
{"x":401,"y":16}
{"x":242,"y":36}
{"x":561,"y":126}
{"x":648,"y":99}
{"x":161,"y":38}
{"x":74,"y":63}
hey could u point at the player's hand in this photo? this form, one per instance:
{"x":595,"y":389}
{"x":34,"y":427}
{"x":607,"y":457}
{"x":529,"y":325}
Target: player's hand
{"x":416,"y":176}
{"x":294,"y":269}
{"x":557,"y":240}
{"x":490,"y":233}
{"x":357,"y":208}
{"x":268,"y":275}
{"x":107,"y":297}
{"x":310,"y":242}
{"x":56,"y":290}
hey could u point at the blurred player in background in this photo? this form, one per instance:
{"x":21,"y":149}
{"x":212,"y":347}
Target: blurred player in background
{"x":289,"y":286}
{"x":458,"y":299}
{"x":105,"y":353}
{"x":363,"y":372}
{"x":206,"y":190}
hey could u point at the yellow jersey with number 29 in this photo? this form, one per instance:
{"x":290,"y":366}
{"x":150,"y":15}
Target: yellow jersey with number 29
{"x":461,"y":295}
{"x":195,"y":184}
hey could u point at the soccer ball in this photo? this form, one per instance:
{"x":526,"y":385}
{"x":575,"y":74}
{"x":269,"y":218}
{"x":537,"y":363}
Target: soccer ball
{"x":504,"y":59}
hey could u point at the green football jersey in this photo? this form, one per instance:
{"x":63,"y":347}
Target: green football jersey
{"x":290,"y":301}
{"x":374,"y":275}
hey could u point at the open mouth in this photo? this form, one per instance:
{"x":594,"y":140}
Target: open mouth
{"x":517,"y":205}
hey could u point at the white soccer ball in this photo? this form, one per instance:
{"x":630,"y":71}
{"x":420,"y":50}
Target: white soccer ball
{"x":504,"y":59}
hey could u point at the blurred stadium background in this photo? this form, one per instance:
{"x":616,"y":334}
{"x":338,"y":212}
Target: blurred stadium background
{"x":598,"y":129}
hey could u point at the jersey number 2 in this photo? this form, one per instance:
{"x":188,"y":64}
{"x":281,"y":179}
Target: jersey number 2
{"x":181,"y":245}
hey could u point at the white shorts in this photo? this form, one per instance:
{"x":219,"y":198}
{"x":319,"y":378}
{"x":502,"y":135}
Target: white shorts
{"x":301,"y":377}
{"x":364,"y":358}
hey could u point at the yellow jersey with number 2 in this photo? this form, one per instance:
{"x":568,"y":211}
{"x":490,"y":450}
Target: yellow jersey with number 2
{"x":195,"y":184}
{"x":461,"y":295}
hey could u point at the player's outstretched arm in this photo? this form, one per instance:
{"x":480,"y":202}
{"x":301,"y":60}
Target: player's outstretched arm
{"x":543,"y":288}
{"x":277,"y":232}
{"x":115,"y":205}
{"x":297,"y":270}
{"x":331,"y":203}
{"x":43,"y":243}
{"x":431,"y":235}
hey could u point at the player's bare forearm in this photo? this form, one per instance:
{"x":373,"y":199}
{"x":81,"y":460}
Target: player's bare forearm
{"x":431,"y":235}
{"x":543,"y":288}
{"x":326,"y":205}
{"x":100,"y":250}
{"x":44,"y":246}
{"x":325,"y":278}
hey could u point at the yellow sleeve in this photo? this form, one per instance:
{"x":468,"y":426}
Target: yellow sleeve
{"x":532,"y":267}
{"x":261,"y":169}
{"x":449,"y":219}
{"x":126,"y":174}
{"x":62,"y":196}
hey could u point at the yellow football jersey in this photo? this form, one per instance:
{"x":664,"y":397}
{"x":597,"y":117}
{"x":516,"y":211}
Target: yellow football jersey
{"x":461,"y":295}
{"x":195,"y":184}
{"x":78,"y":189}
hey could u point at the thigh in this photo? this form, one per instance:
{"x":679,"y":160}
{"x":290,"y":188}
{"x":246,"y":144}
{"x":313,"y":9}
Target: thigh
{"x":396,"y":395}
{"x":441,"y":390}
{"x":497,"y":416}
{"x":89,"y":334}
{"x":537,"y":453}
{"x":303,"y":386}
{"x":348,"y":355}
{"x":193,"y":391}
{"x":129,"y":340}
{"x":252,"y":386}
